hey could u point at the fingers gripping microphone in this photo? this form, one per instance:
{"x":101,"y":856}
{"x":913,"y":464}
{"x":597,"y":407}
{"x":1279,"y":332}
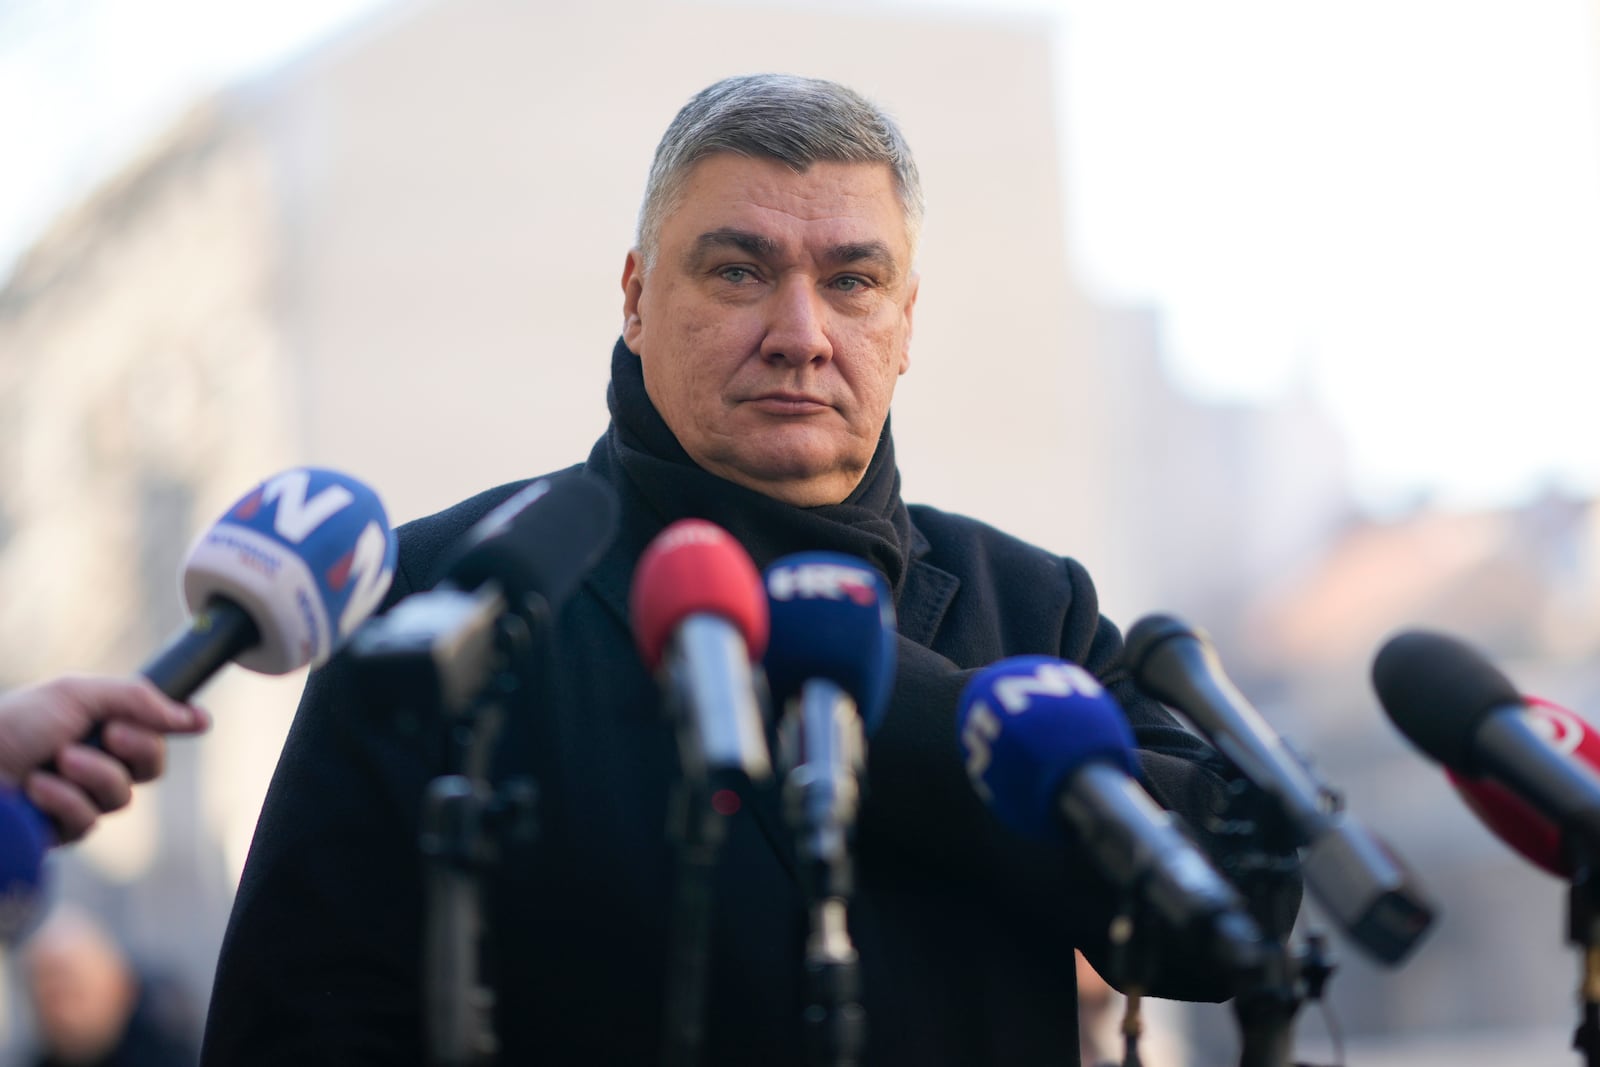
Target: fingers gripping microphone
{"x":1048,"y":749}
{"x":1455,"y":706}
{"x":1358,"y":880}
{"x":277,"y":583}
{"x":700,"y":621}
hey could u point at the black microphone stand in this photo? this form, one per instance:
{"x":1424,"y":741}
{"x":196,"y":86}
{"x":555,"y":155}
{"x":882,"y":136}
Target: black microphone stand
{"x":457,"y":656}
{"x":1583,"y":930}
{"x":1261,"y":869}
{"x":699,"y":826}
{"x":821,"y":795}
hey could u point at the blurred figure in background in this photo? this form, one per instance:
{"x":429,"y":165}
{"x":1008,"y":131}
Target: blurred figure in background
{"x":91,"y":1006}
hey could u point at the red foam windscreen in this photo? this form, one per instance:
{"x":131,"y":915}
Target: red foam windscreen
{"x":1513,"y":819}
{"x":695,"y":567}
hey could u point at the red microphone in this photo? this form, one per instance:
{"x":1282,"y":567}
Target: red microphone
{"x":1514,"y":820}
{"x":699,"y":614}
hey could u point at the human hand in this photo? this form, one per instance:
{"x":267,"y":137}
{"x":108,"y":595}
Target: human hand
{"x":49,"y":722}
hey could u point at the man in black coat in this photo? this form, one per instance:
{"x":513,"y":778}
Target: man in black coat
{"x":768,"y":309}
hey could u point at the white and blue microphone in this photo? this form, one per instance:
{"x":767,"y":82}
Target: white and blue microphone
{"x":277,"y":583}
{"x":1051,"y":753}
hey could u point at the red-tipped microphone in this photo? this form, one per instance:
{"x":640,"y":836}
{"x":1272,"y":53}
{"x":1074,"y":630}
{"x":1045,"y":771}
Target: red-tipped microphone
{"x":1515,"y":821}
{"x":700,"y":620}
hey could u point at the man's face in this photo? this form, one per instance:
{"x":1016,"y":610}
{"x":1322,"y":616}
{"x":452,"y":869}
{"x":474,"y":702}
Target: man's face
{"x":775,"y":321}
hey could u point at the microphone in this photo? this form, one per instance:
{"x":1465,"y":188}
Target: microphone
{"x":831,"y":665}
{"x":526,"y":558}
{"x":1458,"y":709}
{"x":277,"y":583}
{"x":700,"y":621}
{"x":1047,"y":747}
{"x":1514,"y":820}
{"x":1358,"y":880}
{"x":438,"y":650}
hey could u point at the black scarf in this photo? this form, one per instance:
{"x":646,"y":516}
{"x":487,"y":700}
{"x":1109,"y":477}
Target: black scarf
{"x":641,"y":450}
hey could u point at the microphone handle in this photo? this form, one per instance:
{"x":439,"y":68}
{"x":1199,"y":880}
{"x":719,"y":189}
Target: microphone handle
{"x":1510,"y":745}
{"x":217,"y":634}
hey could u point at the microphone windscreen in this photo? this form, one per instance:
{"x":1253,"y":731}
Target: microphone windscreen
{"x":694,"y":567}
{"x":540,"y":541}
{"x":832,"y":618}
{"x":1026,"y":725}
{"x":308,"y":554}
{"x":1437,"y":690}
{"x":1514,"y":820}
{"x":1148,"y":634}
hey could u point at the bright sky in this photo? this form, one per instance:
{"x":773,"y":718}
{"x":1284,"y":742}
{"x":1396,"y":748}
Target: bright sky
{"x":1397,"y":201}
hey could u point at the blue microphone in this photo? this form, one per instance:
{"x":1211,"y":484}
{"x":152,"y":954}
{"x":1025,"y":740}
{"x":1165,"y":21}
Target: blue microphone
{"x":1051,"y":753}
{"x":277,"y":583}
{"x":830,"y":664}
{"x":833,"y":620}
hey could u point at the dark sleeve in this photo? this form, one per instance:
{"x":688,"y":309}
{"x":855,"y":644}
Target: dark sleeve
{"x":921,"y":806}
{"x":319,"y":962}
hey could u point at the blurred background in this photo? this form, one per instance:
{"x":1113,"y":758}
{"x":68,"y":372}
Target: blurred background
{"x":1283,"y":316}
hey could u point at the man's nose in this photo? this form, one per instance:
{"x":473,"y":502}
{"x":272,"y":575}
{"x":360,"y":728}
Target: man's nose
{"x":796,"y":321}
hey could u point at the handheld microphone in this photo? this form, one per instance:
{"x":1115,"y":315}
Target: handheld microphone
{"x":700,"y":621}
{"x":1358,"y":880}
{"x":1458,"y":709}
{"x":526,"y":557}
{"x":1047,"y":748}
{"x":277,"y":583}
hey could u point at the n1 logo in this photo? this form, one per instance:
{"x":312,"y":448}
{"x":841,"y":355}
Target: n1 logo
{"x":1055,"y":679}
{"x":297,"y":518}
{"x":366,"y":564}
{"x":977,"y":737}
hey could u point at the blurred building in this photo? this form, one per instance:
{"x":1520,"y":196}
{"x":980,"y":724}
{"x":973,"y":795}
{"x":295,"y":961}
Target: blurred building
{"x":1523,"y":586}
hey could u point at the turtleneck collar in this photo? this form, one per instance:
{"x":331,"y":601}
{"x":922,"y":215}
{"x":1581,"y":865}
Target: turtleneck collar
{"x":871,"y":523}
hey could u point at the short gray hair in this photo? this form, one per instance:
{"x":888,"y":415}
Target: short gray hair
{"x":796,"y":121}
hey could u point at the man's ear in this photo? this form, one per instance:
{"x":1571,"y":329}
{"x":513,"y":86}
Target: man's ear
{"x":912,"y":286}
{"x":632,"y":292}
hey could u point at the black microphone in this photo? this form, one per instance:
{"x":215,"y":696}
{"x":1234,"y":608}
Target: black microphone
{"x":1454,"y":705}
{"x":1357,"y":878}
{"x":522,"y":560}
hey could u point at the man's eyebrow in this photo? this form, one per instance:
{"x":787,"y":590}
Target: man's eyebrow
{"x":751,"y":244}
{"x":760,"y":246}
{"x":874,"y":252}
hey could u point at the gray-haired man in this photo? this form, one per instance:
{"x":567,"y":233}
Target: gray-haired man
{"x":767,"y":315}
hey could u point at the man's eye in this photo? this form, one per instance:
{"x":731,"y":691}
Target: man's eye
{"x":735,"y":274}
{"x":849,"y":283}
